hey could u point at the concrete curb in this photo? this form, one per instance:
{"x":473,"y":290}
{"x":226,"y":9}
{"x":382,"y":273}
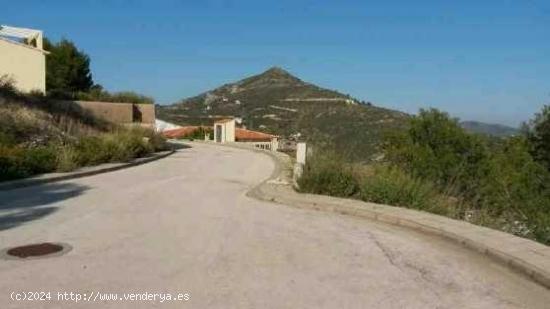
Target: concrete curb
{"x":523,"y":255}
{"x":82,"y":172}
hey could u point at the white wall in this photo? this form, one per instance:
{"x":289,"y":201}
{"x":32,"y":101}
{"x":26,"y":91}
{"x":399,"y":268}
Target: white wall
{"x":273,"y":145}
{"x":230,"y":131}
{"x":227,"y":132}
{"x":25,"y":64}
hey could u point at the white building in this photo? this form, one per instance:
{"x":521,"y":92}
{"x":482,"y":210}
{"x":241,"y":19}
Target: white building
{"x":22,"y":58}
{"x":225,"y":131}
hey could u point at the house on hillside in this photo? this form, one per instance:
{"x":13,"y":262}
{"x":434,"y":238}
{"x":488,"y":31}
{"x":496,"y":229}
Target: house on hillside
{"x":257,"y":139}
{"x":22,"y":58}
{"x":225,"y":131}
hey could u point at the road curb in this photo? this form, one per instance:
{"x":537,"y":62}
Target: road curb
{"x":83,"y":172}
{"x":523,"y":255}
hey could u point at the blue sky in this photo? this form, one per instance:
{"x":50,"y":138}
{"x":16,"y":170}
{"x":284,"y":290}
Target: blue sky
{"x":479,"y":60}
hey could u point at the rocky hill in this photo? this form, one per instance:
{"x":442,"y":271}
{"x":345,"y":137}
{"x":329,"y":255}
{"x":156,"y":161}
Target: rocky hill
{"x":277,"y":102}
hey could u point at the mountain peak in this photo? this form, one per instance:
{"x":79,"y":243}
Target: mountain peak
{"x":275,"y":70}
{"x":277,"y":102}
{"x":273,"y":76}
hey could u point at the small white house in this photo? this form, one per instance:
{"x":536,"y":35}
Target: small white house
{"x":224,"y":131}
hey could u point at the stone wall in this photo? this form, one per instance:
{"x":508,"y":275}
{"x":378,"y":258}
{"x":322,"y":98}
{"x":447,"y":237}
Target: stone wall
{"x":120,"y":113}
{"x":147,"y":113}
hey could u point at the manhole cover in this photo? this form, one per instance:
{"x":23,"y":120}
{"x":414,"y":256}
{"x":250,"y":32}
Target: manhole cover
{"x":36,"y":250}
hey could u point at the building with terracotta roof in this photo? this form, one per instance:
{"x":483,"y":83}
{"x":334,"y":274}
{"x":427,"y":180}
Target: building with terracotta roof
{"x":225,"y":131}
{"x":180,"y":132}
{"x":244,"y":135}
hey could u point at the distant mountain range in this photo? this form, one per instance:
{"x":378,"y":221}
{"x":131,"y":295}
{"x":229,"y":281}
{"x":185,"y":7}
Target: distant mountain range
{"x":489,"y":129}
{"x":277,"y":102}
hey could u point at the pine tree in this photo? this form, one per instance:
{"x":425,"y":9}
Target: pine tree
{"x":67,"y":68}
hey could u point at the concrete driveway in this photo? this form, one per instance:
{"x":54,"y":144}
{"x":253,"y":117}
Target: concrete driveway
{"x":183,"y":225}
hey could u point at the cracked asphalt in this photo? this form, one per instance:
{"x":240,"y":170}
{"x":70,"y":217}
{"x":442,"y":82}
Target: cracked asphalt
{"x":184,"y":225}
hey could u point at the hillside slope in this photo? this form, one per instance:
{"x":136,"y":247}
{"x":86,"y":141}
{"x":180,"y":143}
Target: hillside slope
{"x":277,"y":102}
{"x":40,"y":135}
{"x":497,"y":130}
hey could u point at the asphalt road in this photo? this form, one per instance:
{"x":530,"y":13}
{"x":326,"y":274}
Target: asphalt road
{"x":184,"y":225}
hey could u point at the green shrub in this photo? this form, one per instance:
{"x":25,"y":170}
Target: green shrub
{"x":129,"y":144}
{"x":118,"y":146}
{"x":328,"y":174}
{"x":392,"y":186}
{"x":7,"y":86}
{"x":537,"y":131}
{"x":90,"y":150}
{"x":517,"y":190}
{"x":6,"y":139}
{"x":17,"y":162}
{"x":40,"y":159}
{"x":156,"y":140}
{"x":67,"y":158}
{"x":435,"y":147}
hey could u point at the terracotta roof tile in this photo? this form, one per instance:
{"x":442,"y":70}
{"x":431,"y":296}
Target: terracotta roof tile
{"x":244,"y":135}
{"x":180,"y":132}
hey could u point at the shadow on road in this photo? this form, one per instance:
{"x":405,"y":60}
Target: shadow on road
{"x":27,"y":204}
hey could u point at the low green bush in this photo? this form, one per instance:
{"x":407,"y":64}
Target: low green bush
{"x":156,"y":140}
{"x":118,"y":146}
{"x":517,"y":191}
{"x":17,"y":162}
{"x":67,"y":158}
{"x":328,"y":174}
{"x":537,"y":131}
{"x":393,"y":186}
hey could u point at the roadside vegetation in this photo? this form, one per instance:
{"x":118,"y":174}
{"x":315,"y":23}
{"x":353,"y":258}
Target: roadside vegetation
{"x":436,"y":166}
{"x":39,"y":135}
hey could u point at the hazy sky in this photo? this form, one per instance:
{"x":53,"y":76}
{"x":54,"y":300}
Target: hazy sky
{"x":479,"y":60}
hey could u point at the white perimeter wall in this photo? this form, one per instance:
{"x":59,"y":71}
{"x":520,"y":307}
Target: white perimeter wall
{"x":26,"y":65}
